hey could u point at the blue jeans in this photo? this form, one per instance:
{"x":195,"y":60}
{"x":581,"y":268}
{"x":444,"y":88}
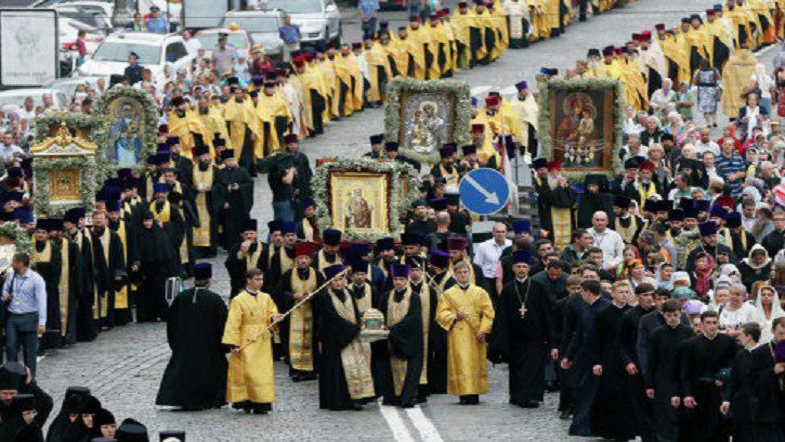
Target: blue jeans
{"x":283,"y":211}
{"x":22,"y":330}
{"x":369,"y":27}
{"x":413,"y":9}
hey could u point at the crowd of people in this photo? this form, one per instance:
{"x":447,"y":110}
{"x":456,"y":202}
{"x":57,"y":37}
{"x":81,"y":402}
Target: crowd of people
{"x":649,"y":299}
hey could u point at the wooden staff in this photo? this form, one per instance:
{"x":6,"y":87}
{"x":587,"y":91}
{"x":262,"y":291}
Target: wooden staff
{"x":440,"y":292}
{"x":289,"y":312}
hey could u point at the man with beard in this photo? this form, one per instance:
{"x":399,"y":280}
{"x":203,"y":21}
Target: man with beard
{"x":329,"y":255}
{"x":446,"y":168}
{"x":127,"y":233}
{"x":439,"y":280}
{"x":153,"y":264}
{"x":210,"y":118}
{"x":710,"y":246}
{"x":664,"y":353}
{"x":110,"y":270}
{"x":182,"y":164}
{"x":73,"y":222}
{"x":205,"y":232}
{"x":168,"y":218}
{"x":251,"y":253}
{"x":342,"y":387}
{"x":296,"y":284}
{"x":183,"y":125}
{"x":244,"y":127}
{"x":234,"y":198}
{"x":527,"y":111}
{"x":421,"y":223}
{"x":17,"y":382}
{"x":70,"y":279}
{"x":627,"y":225}
{"x":385,"y":254}
{"x":555,"y":199}
{"x":200,"y":346}
{"x":701,"y":360}
{"x":283,"y":259}
{"x":314,"y":102}
{"x":274,"y":116}
{"x":523,"y":330}
{"x":766,"y":374}
{"x":403,"y":313}
{"x":48,"y":263}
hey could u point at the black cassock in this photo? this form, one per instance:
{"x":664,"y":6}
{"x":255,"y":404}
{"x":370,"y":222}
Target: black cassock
{"x":195,"y":377}
{"x":240,"y":202}
{"x":107,"y":270}
{"x":237,"y":268}
{"x":522,"y":340}
{"x":86,"y":326}
{"x":701,"y":362}
{"x":613,"y":412}
{"x":50,"y":271}
{"x":662,"y":375}
{"x":157,"y":262}
{"x":767,"y":386}
{"x":404,"y":342}
{"x":335,"y":333}
{"x":437,"y":340}
{"x":741,"y":394}
{"x":75,"y":276}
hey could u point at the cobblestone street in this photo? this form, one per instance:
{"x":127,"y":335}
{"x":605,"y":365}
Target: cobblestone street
{"x":124,"y":366}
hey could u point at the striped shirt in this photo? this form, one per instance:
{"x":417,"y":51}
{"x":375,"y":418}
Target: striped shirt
{"x":729,"y":165}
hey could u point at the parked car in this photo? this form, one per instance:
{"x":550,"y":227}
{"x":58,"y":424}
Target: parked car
{"x":106,"y":8}
{"x":238,"y":39}
{"x":16,"y":98}
{"x":73,"y":18}
{"x":319,"y":20}
{"x":262,"y":28}
{"x":68,"y":85}
{"x":154,"y":51}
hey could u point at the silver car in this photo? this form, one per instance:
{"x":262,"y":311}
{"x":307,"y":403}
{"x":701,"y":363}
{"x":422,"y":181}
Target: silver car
{"x":262,"y":28}
{"x":319,"y":20}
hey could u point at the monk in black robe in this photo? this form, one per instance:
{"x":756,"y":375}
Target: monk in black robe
{"x":701,"y":361}
{"x":154,"y":264}
{"x":248,"y":254}
{"x":234,"y":194}
{"x":72,"y":274}
{"x":86,"y":325}
{"x":523,"y":330}
{"x":439,"y":281}
{"x":182,"y":385}
{"x":612,"y":414}
{"x":67,"y":425}
{"x":663,"y":371}
{"x":739,"y":397}
{"x":48,"y":263}
{"x":109,"y":259}
{"x":596,"y":198}
{"x":766,"y":376}
{"x":403,"y":313}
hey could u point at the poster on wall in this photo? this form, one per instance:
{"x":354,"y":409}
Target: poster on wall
{"x":25,"y":35}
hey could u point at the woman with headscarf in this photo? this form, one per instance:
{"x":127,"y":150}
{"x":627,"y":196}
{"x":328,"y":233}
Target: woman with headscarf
{"x":154,"y":263}
{"x":767,"y":309}
{"x":701,"y":278}
{"x":755,"y":267}
{"x":750,"y":116}
{"x":663,"y":278}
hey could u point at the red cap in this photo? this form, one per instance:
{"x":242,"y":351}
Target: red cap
{"x":492,"y":100}
{"x":304,"y":248}
{"x":646,"y":35}
{"x":298,"y":62}
{"x":637,"y":37}
{"x":442,"y":13}
{"x":726,"y":201}
{"x":478,"y":128}
{"x":659,"y":27}
{"x":646,"y":165}
{"x":456,"y":243}
{"x":554,"y":165}
{"x":414,"y":18}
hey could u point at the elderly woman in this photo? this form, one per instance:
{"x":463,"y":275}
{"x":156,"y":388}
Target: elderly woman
{"x":736,"y":312}
{"x":662,"y":97}
{"x":653,"y":133}
{"x":707,"y":81}
{"x":675,"y":126}
{"x":750,"y":116}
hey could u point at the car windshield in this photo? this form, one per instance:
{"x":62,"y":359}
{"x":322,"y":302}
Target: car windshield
{"x":89,"y":17}
{"x":253,"y":24}
{"x":297,"y":6}
{"x":119,"y":50}
{"x":210,"y":40}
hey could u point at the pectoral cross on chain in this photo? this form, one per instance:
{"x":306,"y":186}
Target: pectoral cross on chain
{"x":523,"y":310}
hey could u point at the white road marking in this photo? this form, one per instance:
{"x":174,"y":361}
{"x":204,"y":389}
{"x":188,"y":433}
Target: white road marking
{"x":396,"y":424}
{"x":39,"y":358}
{"x":424,"y":426}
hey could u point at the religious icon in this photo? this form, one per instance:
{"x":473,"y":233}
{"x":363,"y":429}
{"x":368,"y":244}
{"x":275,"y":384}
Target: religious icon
{"x":427,"y":122}
{"x":582,"y":127}
{"x":360,"y":201}
{"x":357,"y":210}
{"x":428,"y":131}
{"x":125,"y":132}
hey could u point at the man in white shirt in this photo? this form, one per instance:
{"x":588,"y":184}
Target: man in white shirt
{"x":192,"y":45}
{"x":487,"y":253}
{"x":608,"y":240}
{"x":711,"y":170}
{"x":27,"y":112}
{"x":634,"y":148}
{"x":9,"y":150}
{"x":705,"y":144}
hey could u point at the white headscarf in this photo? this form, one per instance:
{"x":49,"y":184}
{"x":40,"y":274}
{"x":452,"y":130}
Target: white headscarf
{"x":760,"y":315}
{"x":661,"y":283}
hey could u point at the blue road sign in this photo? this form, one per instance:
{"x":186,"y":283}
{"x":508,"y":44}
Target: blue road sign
{"x":484,"y":191}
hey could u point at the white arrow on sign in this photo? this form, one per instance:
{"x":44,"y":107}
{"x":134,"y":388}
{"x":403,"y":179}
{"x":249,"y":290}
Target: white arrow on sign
{"x":490,"y":198}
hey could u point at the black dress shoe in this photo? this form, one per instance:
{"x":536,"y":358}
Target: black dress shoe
{"x":565,"y":415}
{"x":550,"y":386}
{"x":530,"y":404}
